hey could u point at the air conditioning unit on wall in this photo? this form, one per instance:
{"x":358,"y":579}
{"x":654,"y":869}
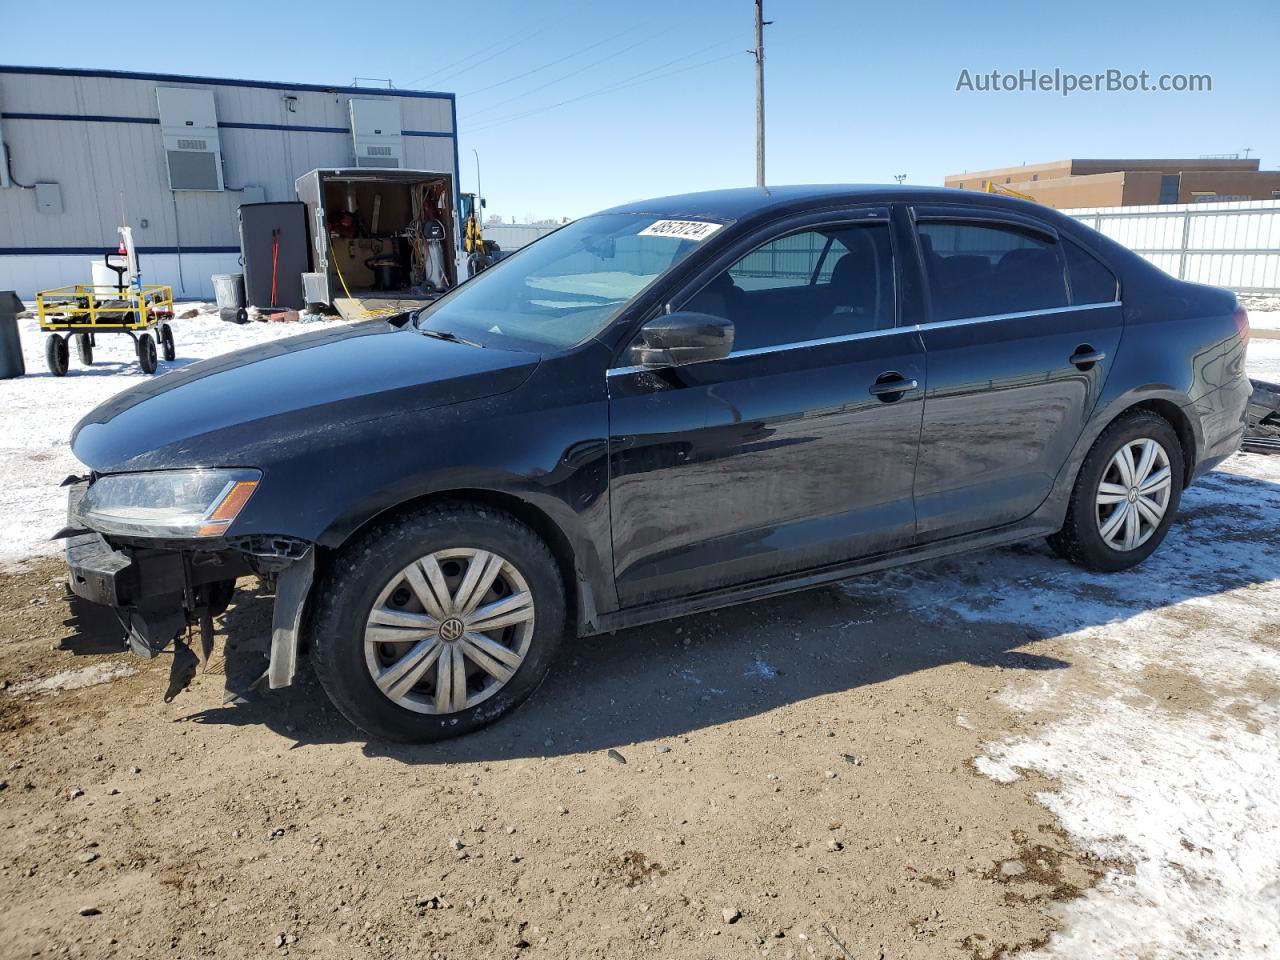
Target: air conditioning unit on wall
{"x":189,"y":124}
{"x":375,"y":128}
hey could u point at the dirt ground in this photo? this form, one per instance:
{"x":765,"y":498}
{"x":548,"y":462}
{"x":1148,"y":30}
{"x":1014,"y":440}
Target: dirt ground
{"x":792,"y":787}
{"x":879,"y":769}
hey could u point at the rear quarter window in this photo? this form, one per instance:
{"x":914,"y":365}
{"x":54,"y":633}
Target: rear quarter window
{"x":1089,"y":279}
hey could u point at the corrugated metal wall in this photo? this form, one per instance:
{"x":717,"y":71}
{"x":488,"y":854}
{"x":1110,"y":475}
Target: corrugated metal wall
{"x":1234,"y":244}
{"x":98,"y":137}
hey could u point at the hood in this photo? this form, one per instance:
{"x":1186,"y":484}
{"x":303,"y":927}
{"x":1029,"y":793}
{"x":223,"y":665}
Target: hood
{"x":230,"y":409}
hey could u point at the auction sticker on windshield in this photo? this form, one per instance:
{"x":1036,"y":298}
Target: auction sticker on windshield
{"x":680,"y":229}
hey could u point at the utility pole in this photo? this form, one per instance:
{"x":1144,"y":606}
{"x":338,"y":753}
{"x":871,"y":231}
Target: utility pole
{"x":759,"y":52}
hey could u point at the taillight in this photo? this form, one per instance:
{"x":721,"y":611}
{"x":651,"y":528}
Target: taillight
{"x":1241,"y":317}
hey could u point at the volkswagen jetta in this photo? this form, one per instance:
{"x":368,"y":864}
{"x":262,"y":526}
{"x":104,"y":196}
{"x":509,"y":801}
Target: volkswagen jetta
{"x":663,"y":408}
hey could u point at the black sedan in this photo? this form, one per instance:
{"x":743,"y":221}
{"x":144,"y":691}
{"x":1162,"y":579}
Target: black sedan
{"x":666,"y":407}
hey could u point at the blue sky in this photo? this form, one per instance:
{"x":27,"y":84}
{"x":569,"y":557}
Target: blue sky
{"x":663,"y":92}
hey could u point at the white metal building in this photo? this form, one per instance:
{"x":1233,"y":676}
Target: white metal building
{"x":176,"y":156}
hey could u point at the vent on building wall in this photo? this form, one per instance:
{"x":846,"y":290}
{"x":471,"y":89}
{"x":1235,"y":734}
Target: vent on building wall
{"x":189,"y":125}
{"x":375,"y":130}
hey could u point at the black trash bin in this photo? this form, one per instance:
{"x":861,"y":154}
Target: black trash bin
{"x":11,"y":362}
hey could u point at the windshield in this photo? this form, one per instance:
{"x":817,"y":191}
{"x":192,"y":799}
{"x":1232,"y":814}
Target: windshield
{"x":570,"y":284}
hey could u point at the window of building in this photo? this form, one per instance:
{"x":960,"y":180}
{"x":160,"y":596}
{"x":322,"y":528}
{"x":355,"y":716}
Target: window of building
{"x":980,"y":271}
{"x":810,"y":285}
{"x":1169,"y":184}
{"x":1090,"y":281}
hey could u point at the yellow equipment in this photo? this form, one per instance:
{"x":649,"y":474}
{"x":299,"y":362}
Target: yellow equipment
{"x":84,"y":310}
{"x":990,"y":186}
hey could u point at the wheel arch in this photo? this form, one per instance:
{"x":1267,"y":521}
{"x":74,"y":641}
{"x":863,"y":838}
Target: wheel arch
{"x":578,"y":607}
{"x":1170,"y":405}
{"x":1177,"y":418}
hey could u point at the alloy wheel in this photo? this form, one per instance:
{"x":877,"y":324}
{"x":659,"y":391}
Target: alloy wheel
{"x":1133,"y":495}
{"x":449,"y":630}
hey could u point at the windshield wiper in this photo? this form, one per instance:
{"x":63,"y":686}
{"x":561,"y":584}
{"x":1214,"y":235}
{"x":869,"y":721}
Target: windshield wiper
{"x":450,"y":337}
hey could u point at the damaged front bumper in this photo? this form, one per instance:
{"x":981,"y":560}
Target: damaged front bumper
{"x":159,"y":589}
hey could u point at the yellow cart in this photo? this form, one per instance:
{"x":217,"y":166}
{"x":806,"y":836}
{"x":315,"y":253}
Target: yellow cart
{"x":85,"y":310}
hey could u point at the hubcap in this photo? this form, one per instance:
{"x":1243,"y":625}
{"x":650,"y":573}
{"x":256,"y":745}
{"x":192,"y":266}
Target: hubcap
{"x":1133,"y":496}
{"x":449,"y":630}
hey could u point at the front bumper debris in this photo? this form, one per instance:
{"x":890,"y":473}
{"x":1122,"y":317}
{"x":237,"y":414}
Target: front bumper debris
{"x":159,"y":590}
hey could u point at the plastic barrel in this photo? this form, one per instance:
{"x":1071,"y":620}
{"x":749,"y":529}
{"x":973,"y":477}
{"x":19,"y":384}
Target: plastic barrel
{"x":11,"y":362}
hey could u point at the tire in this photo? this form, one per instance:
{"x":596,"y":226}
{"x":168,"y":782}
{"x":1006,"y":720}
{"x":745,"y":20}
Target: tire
{"x":372,"y":571}
{"x":84,"y":349}
{"x":169,"y":352}
{"x":57,"y":354}
{"x":1088,"y":538}
{"x":147,"y":353}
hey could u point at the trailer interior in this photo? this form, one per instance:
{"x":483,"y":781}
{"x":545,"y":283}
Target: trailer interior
{"x":390,"y":238}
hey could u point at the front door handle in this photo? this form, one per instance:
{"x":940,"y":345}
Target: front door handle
{"x":891,"y":386}
{"x":1085,"y":357}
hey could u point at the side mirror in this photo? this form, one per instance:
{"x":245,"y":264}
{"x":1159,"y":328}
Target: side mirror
{"x":680,"y":338}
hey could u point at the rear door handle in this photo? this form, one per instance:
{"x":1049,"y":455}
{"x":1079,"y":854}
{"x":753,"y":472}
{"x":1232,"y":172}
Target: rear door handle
{"x":1085,"y":356}
{"x":886,"y":388}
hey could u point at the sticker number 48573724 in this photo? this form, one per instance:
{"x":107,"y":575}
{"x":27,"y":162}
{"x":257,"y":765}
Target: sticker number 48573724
{"x":680,"y":229}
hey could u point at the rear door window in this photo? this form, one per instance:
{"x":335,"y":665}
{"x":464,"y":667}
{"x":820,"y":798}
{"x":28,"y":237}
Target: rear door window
{"x":982,"y":270}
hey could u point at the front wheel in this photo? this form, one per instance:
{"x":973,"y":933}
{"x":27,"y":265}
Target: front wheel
{"x":435,"y":625}
{"x":57,"y":354}
{"x":147,"y":353}
{"x":84,"y":348}
{"x":1125,"y":496}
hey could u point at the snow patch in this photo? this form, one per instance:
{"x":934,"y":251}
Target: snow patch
{"x":760,"y":669}
{"x":89,"y":676}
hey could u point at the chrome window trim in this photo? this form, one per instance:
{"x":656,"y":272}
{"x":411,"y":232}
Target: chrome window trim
{"x":1047,"y":311}
{"x":868,"y":334}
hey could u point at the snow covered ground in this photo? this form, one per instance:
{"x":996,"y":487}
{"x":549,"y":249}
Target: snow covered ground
{"x":37,"y":412}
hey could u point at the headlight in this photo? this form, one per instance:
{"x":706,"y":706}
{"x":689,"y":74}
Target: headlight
{"x":167,"y":503}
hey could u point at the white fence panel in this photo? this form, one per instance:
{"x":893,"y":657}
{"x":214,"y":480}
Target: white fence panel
{"x":1233,"y":244}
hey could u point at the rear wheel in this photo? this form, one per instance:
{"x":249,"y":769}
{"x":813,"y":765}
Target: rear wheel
{"x":437,"y":624}
{"x":84,"y":348}
{"x":1125,"y":496}
{"x":57,"y":354}
{"x":147,"y":353}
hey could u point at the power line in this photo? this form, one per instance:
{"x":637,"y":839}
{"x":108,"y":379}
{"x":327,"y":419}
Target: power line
{"x":635,"y":80}
{"x":569,"y":56}
{"x":572,"y":73}
{"x":483,"y":55}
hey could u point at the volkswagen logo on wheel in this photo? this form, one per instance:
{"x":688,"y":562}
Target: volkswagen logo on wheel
{"x":451,"y":629}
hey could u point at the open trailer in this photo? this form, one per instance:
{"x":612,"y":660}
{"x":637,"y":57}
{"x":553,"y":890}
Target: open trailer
{"x":380,"y":237}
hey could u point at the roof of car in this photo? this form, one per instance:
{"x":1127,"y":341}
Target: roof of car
{"x":743,"y":202}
